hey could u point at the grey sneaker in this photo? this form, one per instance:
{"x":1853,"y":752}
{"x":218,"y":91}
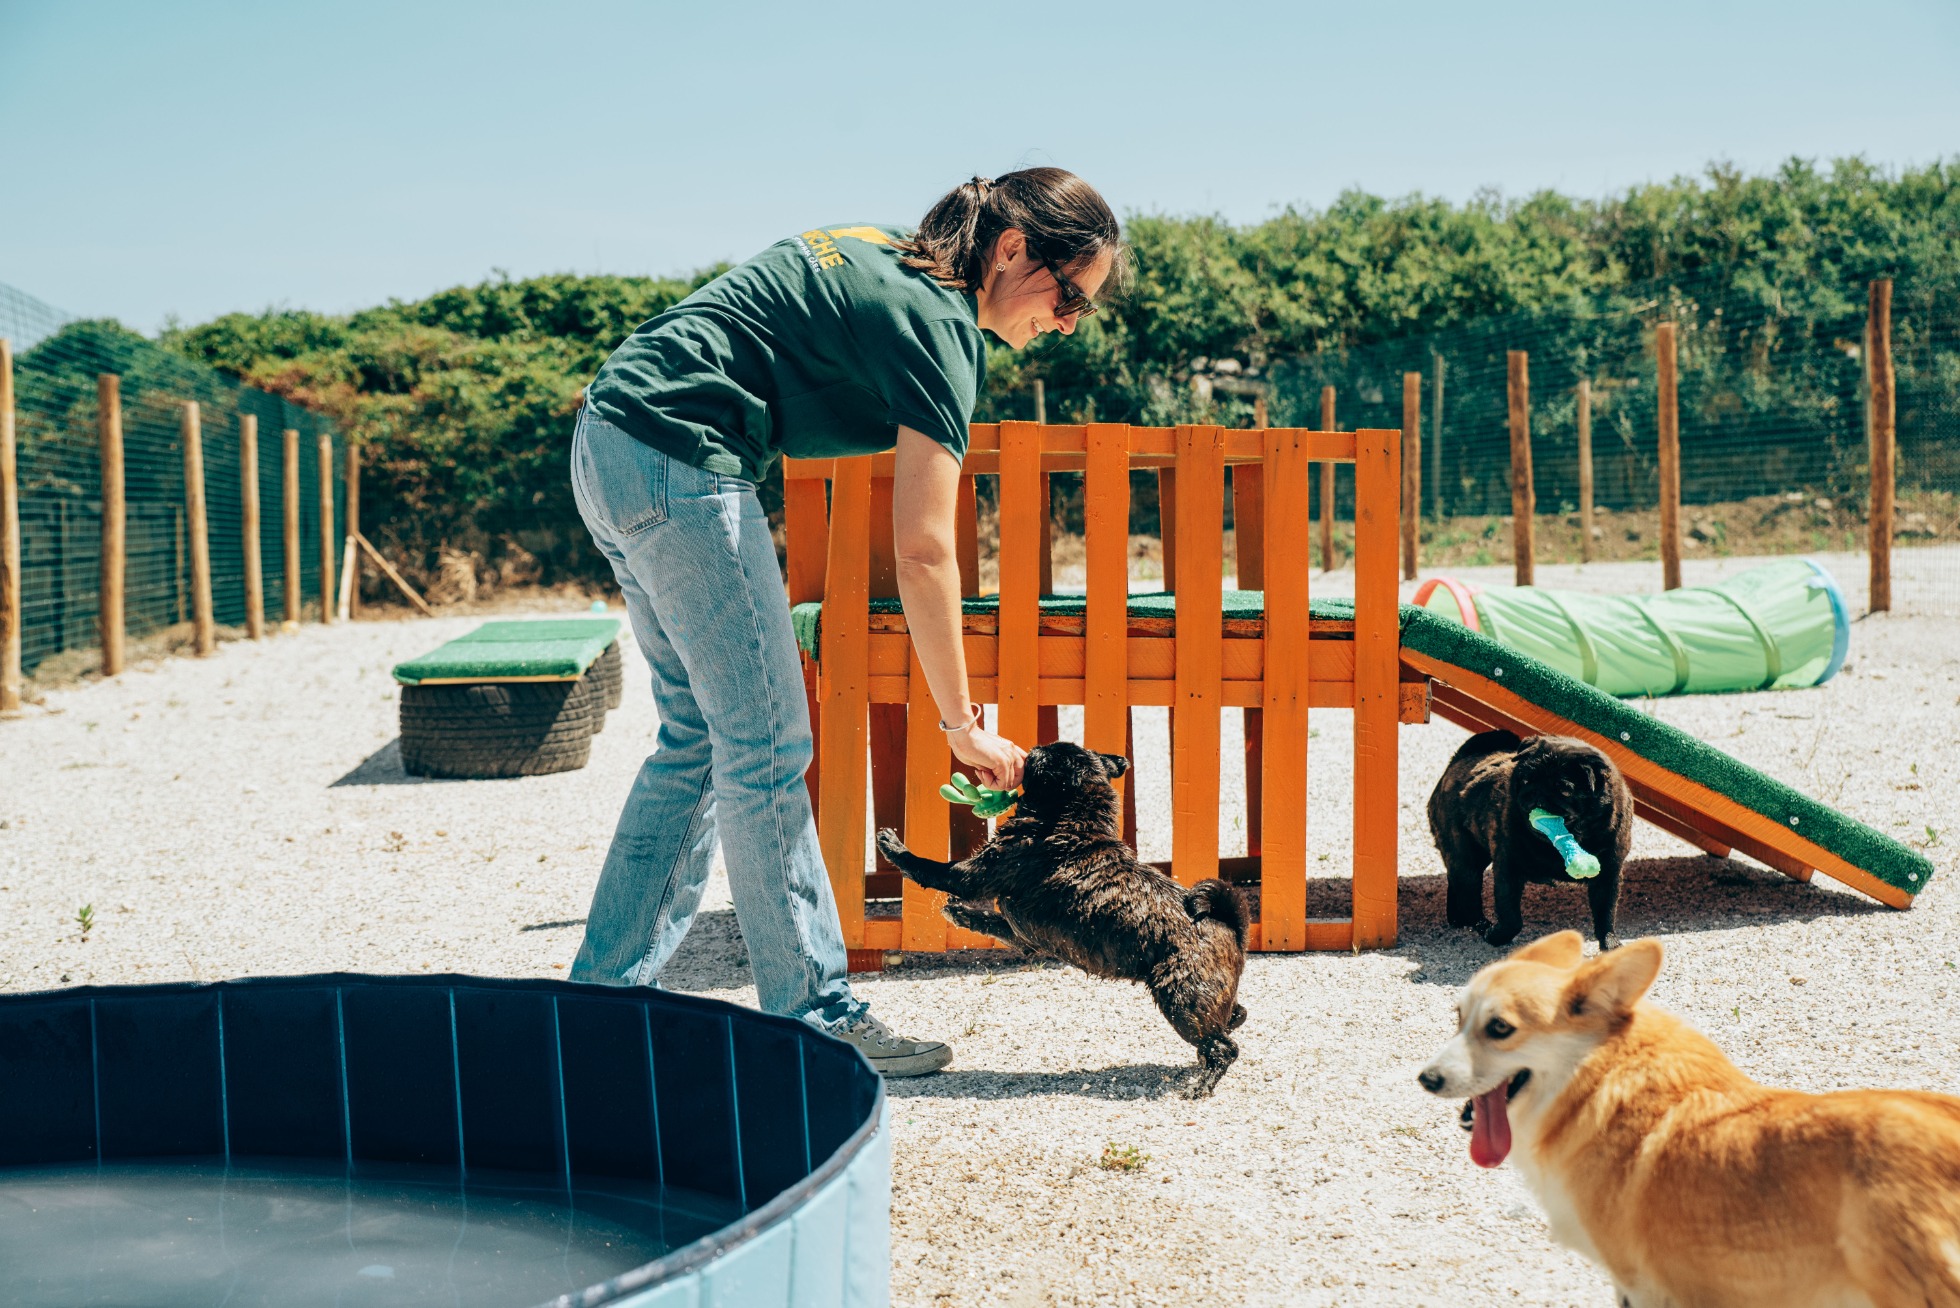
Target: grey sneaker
{"x":888,"y":1053}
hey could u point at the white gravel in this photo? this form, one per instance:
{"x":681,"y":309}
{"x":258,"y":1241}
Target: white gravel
{"x":244,"y":815}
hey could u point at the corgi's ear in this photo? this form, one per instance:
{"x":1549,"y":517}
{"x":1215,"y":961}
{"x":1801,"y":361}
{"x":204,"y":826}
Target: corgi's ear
{"x":1561,"y":950}
{"x":1615,"y":981}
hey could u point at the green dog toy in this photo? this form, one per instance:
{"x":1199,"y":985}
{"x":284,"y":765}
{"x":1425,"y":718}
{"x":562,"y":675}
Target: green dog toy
{"x":1578,"y":863}
{"x":990,"y":803}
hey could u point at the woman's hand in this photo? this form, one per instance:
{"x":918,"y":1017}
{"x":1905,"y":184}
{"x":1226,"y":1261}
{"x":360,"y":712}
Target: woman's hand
{"x":996,"y":759}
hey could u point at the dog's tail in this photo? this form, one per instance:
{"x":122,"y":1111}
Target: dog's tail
{"x":1216,"y":901}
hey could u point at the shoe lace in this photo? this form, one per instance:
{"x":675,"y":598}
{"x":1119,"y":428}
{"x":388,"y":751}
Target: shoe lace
{"x":872,"y":1030}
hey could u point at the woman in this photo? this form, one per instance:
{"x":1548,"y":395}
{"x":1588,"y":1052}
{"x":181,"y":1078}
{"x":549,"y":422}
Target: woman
{"x":838,"y":341}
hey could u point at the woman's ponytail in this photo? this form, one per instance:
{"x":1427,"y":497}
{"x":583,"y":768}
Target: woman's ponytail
{"x":1062,"y":216}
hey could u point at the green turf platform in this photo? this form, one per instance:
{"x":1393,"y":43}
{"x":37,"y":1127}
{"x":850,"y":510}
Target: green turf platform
{"x":1585,"y":706}
{"x":552,"y":648}
{"x":807,"y":618}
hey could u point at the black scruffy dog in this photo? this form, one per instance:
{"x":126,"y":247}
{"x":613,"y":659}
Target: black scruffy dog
{"x":1067,"y":886}
{"x":1480,"y":814}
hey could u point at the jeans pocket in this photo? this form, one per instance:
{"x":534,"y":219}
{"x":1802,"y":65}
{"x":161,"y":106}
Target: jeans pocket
{"x":625,"y":479}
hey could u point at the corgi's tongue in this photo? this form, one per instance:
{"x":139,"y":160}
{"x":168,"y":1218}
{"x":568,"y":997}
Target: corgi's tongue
{"x":1490,"y":1127}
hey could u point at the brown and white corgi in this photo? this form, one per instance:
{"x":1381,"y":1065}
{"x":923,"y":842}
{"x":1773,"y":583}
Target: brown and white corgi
{"x":1690,"y":1184}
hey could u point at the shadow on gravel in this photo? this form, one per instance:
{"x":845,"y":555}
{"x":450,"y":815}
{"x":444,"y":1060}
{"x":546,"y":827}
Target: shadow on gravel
{"x":1128,"y":1081}
{"x":1658,"y":896}
{"x":384,"y":768}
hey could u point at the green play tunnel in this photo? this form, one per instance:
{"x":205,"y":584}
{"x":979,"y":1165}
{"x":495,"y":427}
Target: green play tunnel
{"x":1779,"y":626}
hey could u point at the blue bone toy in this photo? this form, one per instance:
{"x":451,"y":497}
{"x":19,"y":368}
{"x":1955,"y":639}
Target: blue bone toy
{"x":1578,"y":863}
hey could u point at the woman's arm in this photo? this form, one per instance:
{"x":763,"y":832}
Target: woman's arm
{"x":925,"y":495}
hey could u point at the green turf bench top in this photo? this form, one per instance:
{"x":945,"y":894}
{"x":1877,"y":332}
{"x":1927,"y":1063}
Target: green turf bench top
{"x":1240,"y":604}
{"x":1625,"y":721}
{"x":548,"y":649}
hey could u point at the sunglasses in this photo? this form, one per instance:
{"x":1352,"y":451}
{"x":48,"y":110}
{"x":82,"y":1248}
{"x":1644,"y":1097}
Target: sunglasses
{"x":1073,"y":302}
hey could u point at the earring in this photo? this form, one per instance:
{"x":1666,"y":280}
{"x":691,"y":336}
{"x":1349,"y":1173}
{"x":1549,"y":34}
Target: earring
{"x":1000,"y":267}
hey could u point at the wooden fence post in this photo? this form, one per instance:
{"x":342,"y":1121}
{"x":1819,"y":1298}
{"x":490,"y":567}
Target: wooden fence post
{"x":353,"y":515}
{"x":1668,"y":423}
{"x":10,"y":636}
{"x":1585,"y":470}
{"x":248,"y":514}
{"x":1411,"y":473}
{"x":292,"y":528}
{"x":1524,"y":497}
{"x":109,"y":602}
{"x":193,"y":429}
{"x":326,"y":527}
{"x":1327,"y":485}
{"x":1436,"y":434}
{"x":1884,"y":443}
{"x":1040,"y":401}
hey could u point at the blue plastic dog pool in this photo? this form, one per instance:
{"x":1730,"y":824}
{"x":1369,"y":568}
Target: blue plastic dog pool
{"x":375,"y":1141}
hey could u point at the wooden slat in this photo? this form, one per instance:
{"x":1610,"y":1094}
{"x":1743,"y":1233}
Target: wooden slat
{"x":1249,"y":548}
{"x":1684,"y":830}
{"x":1498,"y":706}
{"x":887,"y":721}
{"x":844,"y":690}
{"x":1377,"y":640}
{"x":1020,"y":582}
{"x":1150,"y":447}
{"x":1200,"y":586}
{"x":966,"y":536}
{"x":927,"y":829}
{"x":1412,"y":701}
{"x":1149,"y":658}
{"x":1327,"y":559}
{"x":1106,"y":527}
{"x":806,"y":519}
{"x":1291,"y":658}
{"x":1167,"y":524}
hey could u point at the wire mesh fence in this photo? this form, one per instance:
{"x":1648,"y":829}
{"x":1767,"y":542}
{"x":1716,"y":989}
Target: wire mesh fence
{"x":1773,"y":420}
{"x":57,"y":363}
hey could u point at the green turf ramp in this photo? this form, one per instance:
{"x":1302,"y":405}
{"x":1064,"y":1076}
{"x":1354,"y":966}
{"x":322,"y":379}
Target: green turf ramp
{"x":1671,"y":748}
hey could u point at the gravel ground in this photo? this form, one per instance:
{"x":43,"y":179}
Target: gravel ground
{"x":247,"y":815}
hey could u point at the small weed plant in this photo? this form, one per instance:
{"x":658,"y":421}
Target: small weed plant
{"x":1122,"y":1158}
{"x":85,"y":918}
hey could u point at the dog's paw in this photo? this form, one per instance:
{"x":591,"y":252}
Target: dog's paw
{"x":890,"y":845}
{"x":1608,"y":941}
{"x":1464,"y":918}
{"x":1238,"y":1018}
{"x":1496,"y":936}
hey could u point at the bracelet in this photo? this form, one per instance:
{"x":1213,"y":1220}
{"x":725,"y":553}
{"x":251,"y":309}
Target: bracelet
{"x":968,"y":725}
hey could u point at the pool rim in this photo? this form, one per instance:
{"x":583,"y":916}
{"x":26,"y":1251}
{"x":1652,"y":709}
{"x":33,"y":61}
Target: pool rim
{"x":672,"y":1266}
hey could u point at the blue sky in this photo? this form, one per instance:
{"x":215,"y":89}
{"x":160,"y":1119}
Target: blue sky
{"x":196,"y":157}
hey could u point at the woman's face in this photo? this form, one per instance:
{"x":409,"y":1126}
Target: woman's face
{"x":1017,"y":303}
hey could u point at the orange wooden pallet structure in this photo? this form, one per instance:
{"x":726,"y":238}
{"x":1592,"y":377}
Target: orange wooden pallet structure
{"x":871,"y":708}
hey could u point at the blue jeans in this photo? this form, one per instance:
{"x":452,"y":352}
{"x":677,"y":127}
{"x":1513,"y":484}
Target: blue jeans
{"x":695,"y":562}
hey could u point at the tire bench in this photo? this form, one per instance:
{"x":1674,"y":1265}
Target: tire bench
{"x":510,"y":699}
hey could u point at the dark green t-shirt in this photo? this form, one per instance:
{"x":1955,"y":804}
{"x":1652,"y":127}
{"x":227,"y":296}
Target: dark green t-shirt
{"x":820,"y":346}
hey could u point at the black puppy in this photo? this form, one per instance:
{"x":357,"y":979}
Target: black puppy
{"x":1067,"y":886}
{"x":1480,"y":815}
